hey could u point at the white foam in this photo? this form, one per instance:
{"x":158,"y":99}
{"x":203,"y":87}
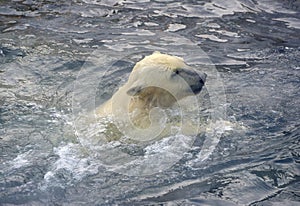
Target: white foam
{"x":73,"y":159}
{"x":157,"y":157}
{"x":21,"y":160}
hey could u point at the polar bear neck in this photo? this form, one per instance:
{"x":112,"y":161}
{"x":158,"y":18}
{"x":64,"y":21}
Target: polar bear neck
{"x":141,"y":105}
{"x":152,"y":97}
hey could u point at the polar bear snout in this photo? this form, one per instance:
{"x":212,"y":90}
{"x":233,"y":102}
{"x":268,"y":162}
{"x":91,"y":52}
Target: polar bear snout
{"x":202,"y":77}
{"x":197,"y":87}
{"x":195,"y":80}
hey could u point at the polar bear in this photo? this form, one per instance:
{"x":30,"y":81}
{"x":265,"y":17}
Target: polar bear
{"x":157,"y":81}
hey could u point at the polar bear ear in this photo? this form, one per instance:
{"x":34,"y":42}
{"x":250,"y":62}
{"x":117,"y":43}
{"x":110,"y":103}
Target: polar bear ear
{"x":134,"y":91}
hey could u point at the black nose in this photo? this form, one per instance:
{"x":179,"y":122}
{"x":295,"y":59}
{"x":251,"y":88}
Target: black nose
{"x":195,"y":79}
{"x":196,"y":88}
{"x":203,"y":77}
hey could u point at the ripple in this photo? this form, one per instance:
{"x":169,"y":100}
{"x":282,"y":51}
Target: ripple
{"x":175,"y":27}
{"x":279,"y":7}
{"x":44,"y":45}
{"x":211,"y":37}
{"x":139,"y":32}
{"x":8,"y":11}
{"x":18,"y":27}
{"x":291,"y":22}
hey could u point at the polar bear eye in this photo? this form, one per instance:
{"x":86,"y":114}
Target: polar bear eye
{"x":175,"y":72}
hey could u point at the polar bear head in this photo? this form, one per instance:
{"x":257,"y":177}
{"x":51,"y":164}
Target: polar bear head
{"x":159,"y":80}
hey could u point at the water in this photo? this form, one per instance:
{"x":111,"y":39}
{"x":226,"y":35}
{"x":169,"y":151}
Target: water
{"x":56,"y":56}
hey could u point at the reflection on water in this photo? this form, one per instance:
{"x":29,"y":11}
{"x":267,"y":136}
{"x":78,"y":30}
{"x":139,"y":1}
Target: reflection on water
{"x":46,"y":45}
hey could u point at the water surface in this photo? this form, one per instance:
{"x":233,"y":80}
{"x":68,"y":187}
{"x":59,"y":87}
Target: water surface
{"x":49,"y":49}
